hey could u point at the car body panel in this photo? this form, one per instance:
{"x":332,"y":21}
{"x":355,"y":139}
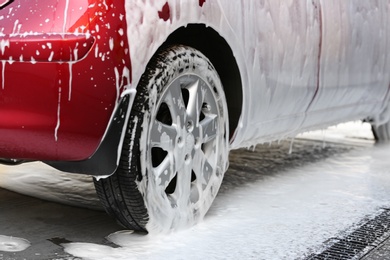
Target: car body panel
{"x":289,"y":59}
{"x":276,"y":46}
{"x":62,"y":73}
{"x":354,"y":61}
{"x":298,"y":69}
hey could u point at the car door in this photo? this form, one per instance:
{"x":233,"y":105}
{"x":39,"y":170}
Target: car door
{"x":354,"y":61}
{"x":280,"y":42}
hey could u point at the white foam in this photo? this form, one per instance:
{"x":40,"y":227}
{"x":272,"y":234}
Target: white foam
{"x":13,"y":244}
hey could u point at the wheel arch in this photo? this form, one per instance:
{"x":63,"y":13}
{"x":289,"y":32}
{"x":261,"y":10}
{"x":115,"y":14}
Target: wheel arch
{"x":218,"y":51}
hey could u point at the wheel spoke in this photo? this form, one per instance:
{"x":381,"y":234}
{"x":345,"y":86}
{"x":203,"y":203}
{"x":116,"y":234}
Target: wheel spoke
{"x":162,"y":136}
{"x":183,"y":187}
{"x":174,"y":99}
{"x":209,"y":127}
{"x":202,"y":168}
{"x":165,"y":172}
{"x":195,"y":100}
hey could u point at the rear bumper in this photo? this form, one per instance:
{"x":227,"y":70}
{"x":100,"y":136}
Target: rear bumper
{"x":63,"y":67}
{"x":50,"y":108}
{"x":39,"y":121}
{"x":31,"y":95}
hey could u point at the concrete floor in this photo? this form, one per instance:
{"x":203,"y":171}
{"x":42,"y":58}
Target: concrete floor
{"x":270,"y":180}
{"x":46,"y":224}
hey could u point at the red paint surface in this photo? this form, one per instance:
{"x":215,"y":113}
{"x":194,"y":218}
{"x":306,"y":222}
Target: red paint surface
{"x":62,"y":47}
{"x":29,"y":100}
{"x":165,"y":12}
{"x":201,"y":2}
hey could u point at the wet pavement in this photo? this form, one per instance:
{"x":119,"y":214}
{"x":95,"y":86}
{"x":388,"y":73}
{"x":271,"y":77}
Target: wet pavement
{"x":275,"y":203}
{"x":46,"y":225}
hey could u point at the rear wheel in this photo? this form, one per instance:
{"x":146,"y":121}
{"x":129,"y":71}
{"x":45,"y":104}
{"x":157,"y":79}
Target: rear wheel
{"x":381,"y":132}
{"x":175,"y":151}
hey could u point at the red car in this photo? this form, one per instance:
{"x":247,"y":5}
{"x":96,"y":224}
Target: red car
{"x":150,"y":96}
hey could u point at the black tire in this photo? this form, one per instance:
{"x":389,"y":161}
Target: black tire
{"x":178,"y":121}
{"x":381,"y":132}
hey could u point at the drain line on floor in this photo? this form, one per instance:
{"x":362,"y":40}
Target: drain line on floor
{"x":369,"y":235}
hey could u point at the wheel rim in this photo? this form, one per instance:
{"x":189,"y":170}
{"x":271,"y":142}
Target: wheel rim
{"x":183,"y":141}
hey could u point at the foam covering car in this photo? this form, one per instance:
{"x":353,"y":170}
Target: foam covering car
{"x":149,"y":96}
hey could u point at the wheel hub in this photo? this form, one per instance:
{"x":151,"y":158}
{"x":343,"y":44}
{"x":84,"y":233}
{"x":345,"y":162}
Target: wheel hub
{"x":190,"y":143}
